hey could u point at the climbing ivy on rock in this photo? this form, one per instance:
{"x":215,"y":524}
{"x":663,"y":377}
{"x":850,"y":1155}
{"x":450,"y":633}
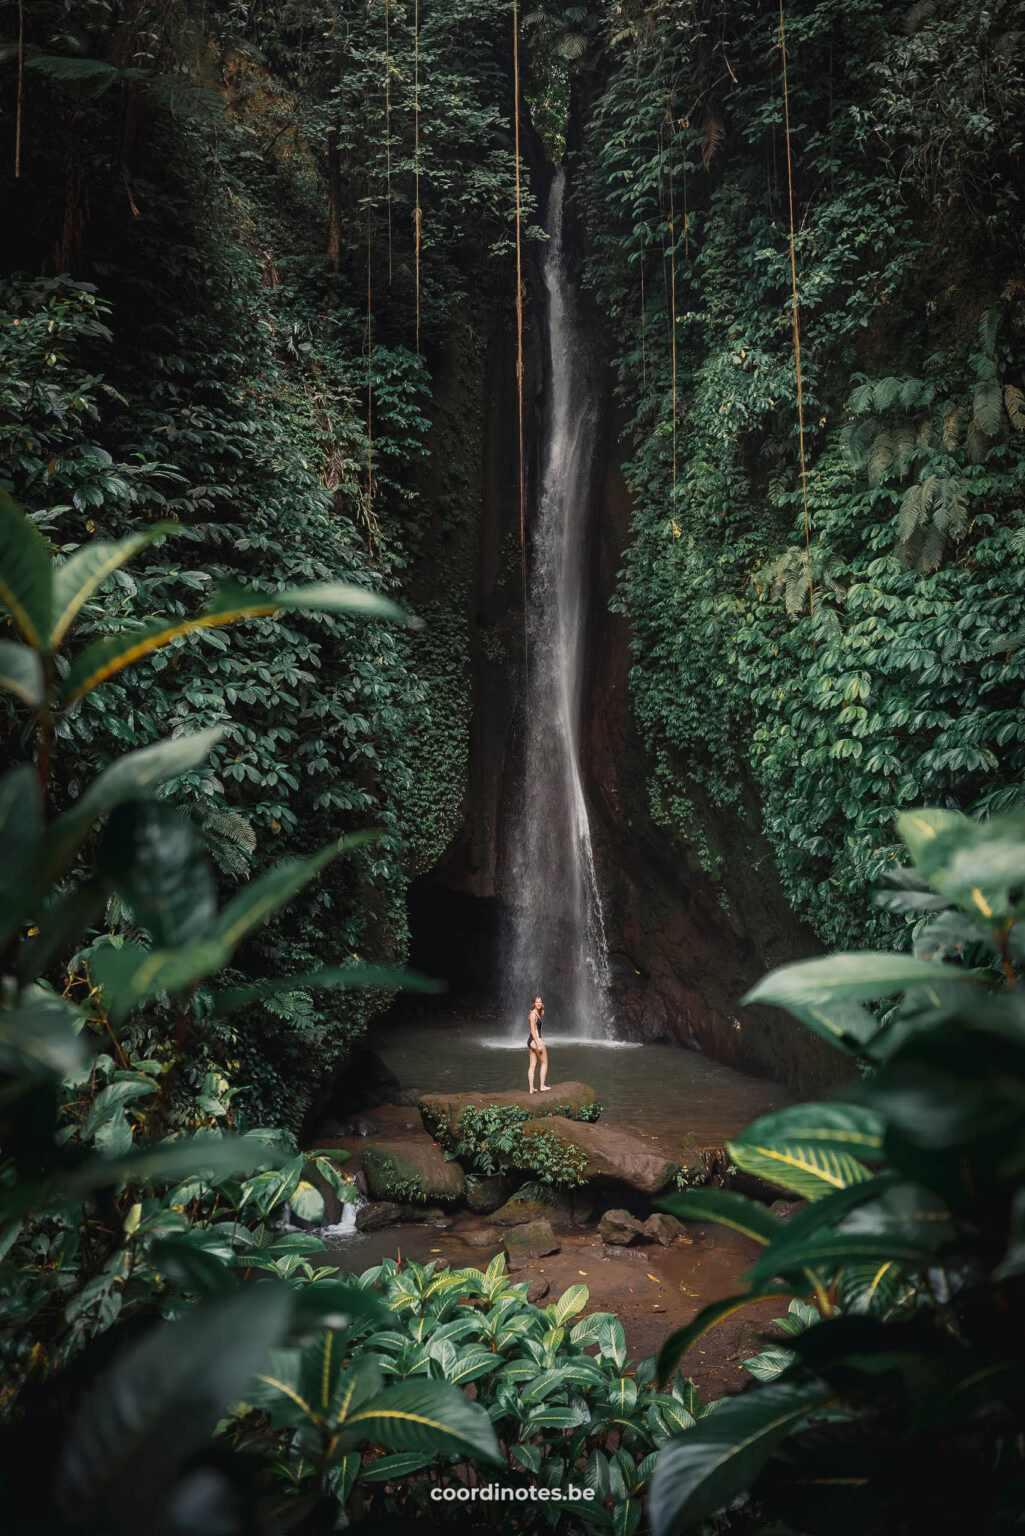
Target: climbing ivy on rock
{"x":911,"y":310}
{"x":195,"y":350}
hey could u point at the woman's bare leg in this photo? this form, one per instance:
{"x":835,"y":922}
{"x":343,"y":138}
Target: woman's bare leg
{"x":531,"y":1064}
{"x":544,"y":1070}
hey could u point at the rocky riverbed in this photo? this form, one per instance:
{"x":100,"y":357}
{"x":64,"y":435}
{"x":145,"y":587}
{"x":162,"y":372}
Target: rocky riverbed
{"x":429,"y":1192}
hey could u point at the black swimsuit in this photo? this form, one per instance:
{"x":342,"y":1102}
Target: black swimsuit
{"x":530,"y":1038}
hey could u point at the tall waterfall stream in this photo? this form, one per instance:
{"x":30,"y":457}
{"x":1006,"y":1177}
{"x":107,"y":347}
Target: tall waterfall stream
{"x":557,"y":945}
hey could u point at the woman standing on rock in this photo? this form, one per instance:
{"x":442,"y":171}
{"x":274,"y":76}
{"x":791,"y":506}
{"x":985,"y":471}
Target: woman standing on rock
{"x":537,"y":1051}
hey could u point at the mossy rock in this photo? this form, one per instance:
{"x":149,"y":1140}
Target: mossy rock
{"x":487,"y":1194}
{"x":412,"y":1172}
{"x":520,"y":1208}
{"x":442,"y":1112}
{"x":601,"y":1153}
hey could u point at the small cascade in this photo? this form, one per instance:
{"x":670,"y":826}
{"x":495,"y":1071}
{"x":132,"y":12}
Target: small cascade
{"x":346,"y":1225}
{"x":558,"y":943}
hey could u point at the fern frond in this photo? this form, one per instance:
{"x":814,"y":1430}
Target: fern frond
{"x":931,"y":555}
{"x":912,"y":514}
{"x":570,"y":46}
{"x":713,"y":136}
{"x":797,"y":585}
{"x":951,"y":510}
{"x":987,"y":334}
{"x":881,"y":457}
{"x":977,"y":444}
{"x":885,"y":392}
{"x":903,"y":450}
{"x":988,"y":405}
{"x":861,"y":398}
{"x":919,"y":16}
{"x":858,"y":439}
{"x":952,"y":428}
{"x":1014,"y":404}
{"x":911,"y":393}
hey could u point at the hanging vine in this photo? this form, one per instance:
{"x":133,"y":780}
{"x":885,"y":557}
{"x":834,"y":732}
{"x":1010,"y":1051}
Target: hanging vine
{"x":519,"y":315}
{"x":796,"y":322}
{"x":416,"y":161}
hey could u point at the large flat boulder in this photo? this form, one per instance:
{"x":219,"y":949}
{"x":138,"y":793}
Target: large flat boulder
{"x":607,"y":1153}
{"x":442,"y":1112}
{"x":414,"y":1170}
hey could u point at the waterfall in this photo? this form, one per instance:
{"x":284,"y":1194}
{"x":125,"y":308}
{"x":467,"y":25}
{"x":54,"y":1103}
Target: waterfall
{"x":557,"y":945}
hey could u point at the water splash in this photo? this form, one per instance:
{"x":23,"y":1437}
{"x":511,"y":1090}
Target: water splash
{"x":558,"y":943}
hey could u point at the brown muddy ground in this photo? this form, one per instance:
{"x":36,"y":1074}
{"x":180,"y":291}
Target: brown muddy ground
{"x":652,"y":1290}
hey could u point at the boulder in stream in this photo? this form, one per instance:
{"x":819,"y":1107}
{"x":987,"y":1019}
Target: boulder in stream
{"x":607,"y":1153}
{"x":665,"y":1229}
{"x":480,"y":1237}
{"x":620,"y":1228}
{"x":443,"y":1112}
{"x":377,"y":1214}
{"x":523,"y":1207}
{"x":487,"y":1194}
{"x":532,"y":1240}
{"x":412,"y":1170}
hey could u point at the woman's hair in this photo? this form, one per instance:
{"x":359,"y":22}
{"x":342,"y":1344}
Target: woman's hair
{"x":538,"y":999}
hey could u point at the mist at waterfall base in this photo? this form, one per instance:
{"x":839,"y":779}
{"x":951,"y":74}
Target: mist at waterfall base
{"x":556,"y":940}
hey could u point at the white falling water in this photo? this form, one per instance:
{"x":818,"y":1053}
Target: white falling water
{"x":558,"y":939}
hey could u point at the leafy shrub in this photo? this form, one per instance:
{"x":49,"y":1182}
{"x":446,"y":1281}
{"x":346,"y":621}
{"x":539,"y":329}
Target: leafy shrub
{"x":566,"y":1405}
{"x":898,"y":1397}
{"x":491,"y":1139}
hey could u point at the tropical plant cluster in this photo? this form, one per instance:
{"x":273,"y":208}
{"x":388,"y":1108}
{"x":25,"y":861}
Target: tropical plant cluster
{"x":812,"y":670}
{"x":491,"y":1139}
{"x":894,"y":1403}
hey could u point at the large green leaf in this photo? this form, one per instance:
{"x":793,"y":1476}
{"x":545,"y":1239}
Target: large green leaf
{"x":836,"y":1249}
{"x":38,"y":1037}
{"x":21,"y":673}
{"x":421,"y":1415}
{"x":157,"y":863}
{"x":88,"y":568}
{"x":803,"y":1167}
{"x":679,"y":1343}
{"x":877,"y":1289}
{"x":261,"y":897}
{"x":105,"y":658}
{"x":158,"y":1404}
{"x":836,"y":1126}
{"x":728,"y":1209}
{"x":128,"y":778}
{"x":208,"y":1158}
{"x":841,"y":977}
{"x":824,"y":1212}
{"x":25,"y":579}
{"x":704,"y":1469}
{"x":339,"y":978}
{"x":131,"y":974}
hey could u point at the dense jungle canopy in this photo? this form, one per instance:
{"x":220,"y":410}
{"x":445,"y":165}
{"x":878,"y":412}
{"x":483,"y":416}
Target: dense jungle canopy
{"x":269,"y":480}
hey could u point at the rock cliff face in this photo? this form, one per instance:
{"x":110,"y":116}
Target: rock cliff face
{"x":684,"y":949}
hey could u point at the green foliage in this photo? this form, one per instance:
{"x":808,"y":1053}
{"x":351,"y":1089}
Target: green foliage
{"x":910,"y":288}
{"x":491,"y":1138}
{"x":565,"y":1404}
{"x":199,"y":364}
{"x":900,"y":1391}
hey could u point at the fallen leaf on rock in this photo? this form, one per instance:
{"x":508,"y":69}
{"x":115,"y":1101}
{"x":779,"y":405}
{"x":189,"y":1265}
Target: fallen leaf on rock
{"x":581,"y":1271}
{"x":655,"y":1278}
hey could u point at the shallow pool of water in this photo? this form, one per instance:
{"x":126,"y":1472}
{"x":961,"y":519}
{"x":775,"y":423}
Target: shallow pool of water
{"x":662,"y":1089}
